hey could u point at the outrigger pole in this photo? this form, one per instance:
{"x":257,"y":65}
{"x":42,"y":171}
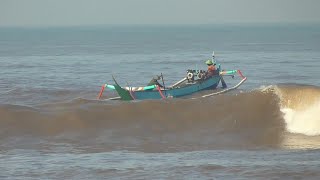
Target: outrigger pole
{"x":228,"y":89}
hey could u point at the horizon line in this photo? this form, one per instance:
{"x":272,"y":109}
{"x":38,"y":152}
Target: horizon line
{"x":162,"y":25}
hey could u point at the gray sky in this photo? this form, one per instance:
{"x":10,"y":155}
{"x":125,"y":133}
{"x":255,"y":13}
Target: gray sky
{"x":100,"y":12}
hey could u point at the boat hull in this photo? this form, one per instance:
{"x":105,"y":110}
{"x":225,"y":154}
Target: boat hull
{"x":210,"y":83}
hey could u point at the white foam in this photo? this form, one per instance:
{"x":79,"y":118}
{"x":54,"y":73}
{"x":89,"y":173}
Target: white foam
{"x":305,"y":121}
{"x":266,"y":88}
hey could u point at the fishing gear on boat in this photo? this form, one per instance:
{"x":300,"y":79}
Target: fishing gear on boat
{"x":193,"y":75}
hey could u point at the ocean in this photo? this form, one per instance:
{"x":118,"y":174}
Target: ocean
{"x":53,"y":127}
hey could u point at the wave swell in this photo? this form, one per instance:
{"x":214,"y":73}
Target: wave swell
{"x":251,"y":119}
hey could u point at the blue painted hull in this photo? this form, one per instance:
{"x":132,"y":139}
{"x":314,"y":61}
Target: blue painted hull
{"x":207,"y":84}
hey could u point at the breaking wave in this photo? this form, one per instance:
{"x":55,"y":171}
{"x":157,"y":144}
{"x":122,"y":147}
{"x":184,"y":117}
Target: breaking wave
{"x":248,"y":119}
{"x":301,"y":107}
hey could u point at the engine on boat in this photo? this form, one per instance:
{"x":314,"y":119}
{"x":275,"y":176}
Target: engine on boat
{"x":193,"y":75}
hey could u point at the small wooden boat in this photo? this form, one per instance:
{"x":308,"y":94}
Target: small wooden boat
{"x":194,"y":82}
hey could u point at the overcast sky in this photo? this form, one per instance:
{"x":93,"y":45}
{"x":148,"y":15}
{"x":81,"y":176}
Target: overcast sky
{"x":101,"y":12}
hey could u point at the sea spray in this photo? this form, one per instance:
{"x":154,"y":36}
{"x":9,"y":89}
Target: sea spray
{"x":300,"y":105}
{"x":303,"y":121}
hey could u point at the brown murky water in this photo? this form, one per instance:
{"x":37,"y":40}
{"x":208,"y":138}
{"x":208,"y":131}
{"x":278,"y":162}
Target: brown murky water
{"x":52,"y":126}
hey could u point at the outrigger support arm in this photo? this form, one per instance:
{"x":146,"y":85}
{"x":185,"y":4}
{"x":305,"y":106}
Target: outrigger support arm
{"x":232,"y":88}
{"x":101,"y":91}
{"x":161,"y":94}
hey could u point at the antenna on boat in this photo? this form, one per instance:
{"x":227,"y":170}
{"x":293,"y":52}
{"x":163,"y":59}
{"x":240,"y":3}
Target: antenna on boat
{"x":213,"y":56}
